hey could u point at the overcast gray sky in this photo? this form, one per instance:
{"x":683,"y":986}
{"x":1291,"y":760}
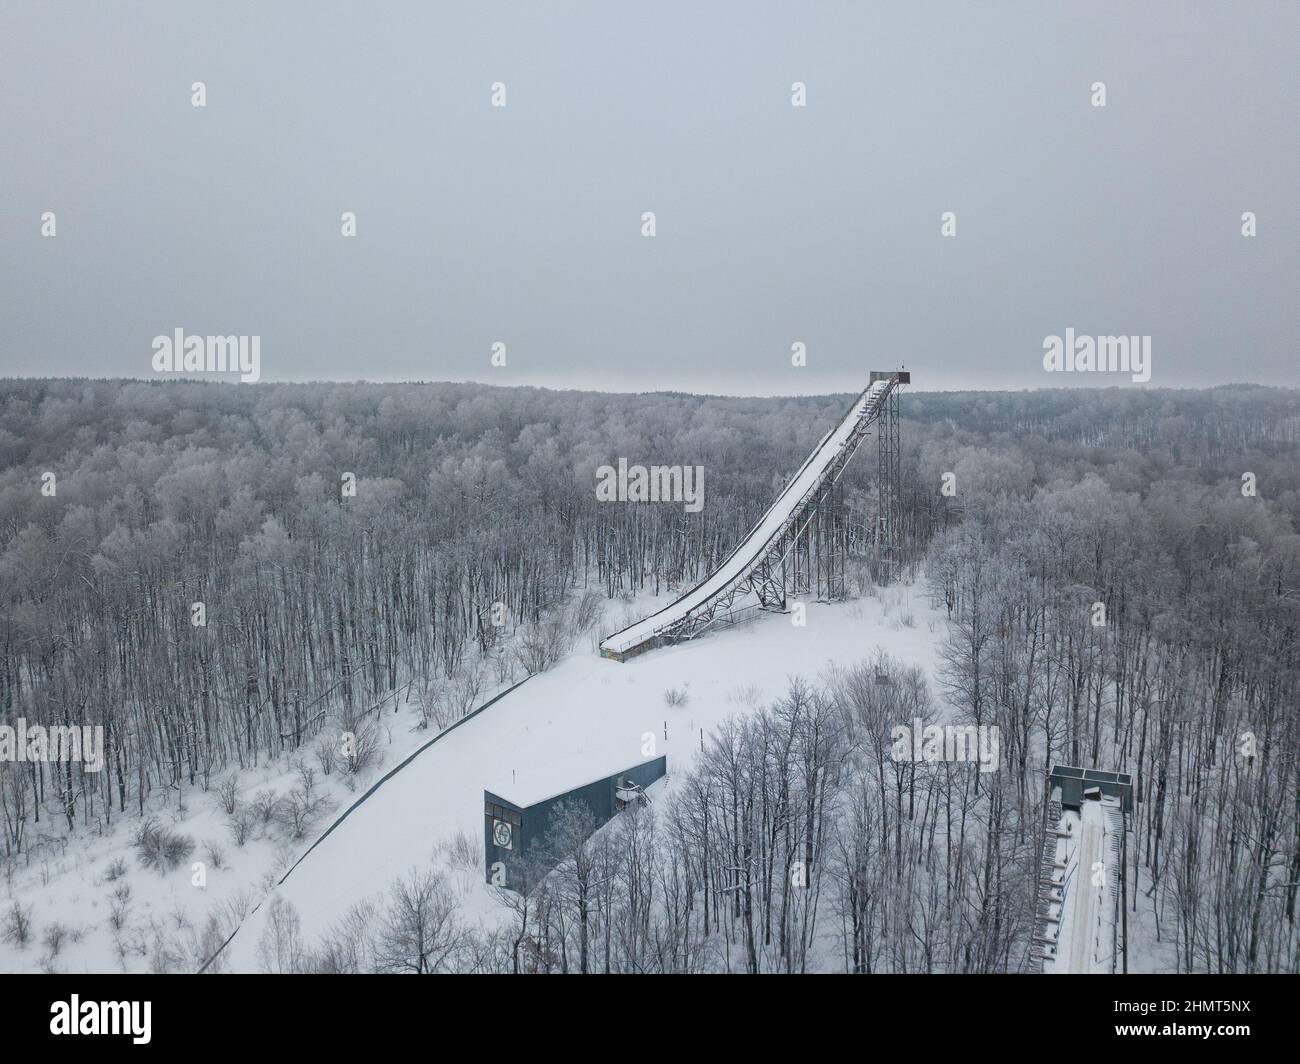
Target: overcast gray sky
{"x":775,"y":224}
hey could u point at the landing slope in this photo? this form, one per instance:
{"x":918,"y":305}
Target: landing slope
{"x":586,"y":717}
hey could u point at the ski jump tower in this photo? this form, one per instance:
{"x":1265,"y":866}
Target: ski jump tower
{"x":800,"y":545}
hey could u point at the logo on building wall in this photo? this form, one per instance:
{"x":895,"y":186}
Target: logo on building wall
{"x":502,"y":835}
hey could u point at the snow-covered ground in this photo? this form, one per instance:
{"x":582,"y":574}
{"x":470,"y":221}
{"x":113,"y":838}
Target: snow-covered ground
{"x":586,"y":718}
{"x":89,"y":892}
{"x":583,"y":719}
{"x":566,"y":727}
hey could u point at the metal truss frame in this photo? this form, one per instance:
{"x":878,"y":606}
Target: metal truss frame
{"x":808,"y":555}
{"x":889,"y":539}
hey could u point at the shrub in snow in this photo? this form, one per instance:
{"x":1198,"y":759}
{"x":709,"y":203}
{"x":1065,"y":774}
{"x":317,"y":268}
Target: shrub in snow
{"x":17,"y":928}
{"x":119,"y":908}
{"x":160,"y":848}
{"x":115,"y":870}
{"x":463,"y":693}
{"x":543,"y":643}
{"x":503,"y":665}
{"x":165,"y":955}
{"x":234,"y":910}
{"x":676,"y":697}
{"x":428,"y":699}
{"x":364,"y":747}
{"x":265,"y":807}
{"x":55,"y":935}
{"x":462,"y":853}
{"x":327,"y":748}
{"x":228,"y":794}
{"x":240,"y":823}
{"x":588,"y":610}
{"x":214,"y":855}
{"x":298,"y":812}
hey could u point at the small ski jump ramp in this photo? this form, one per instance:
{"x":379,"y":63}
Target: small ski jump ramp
{"x":751,"y":565}
{"x":1082,"y":925}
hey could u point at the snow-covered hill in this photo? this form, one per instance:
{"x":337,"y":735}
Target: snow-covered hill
{"x":583,"y":719}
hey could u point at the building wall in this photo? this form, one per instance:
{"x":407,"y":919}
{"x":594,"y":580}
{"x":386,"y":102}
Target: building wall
{"x":537,"y":822}
{"x":496,"y":807}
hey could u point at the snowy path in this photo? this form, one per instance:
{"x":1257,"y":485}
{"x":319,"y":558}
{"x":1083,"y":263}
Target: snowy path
{"x":1084,"y":938}
{"x":1084,"y":909}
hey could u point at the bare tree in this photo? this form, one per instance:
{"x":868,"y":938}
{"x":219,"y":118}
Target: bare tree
{"x":419,"y":930}
{"x":280,"y":950}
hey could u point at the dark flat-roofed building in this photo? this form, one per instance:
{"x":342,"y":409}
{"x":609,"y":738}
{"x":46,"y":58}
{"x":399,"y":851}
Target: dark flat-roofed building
{"x":1077,"y":784}
{"x":519,"y":837}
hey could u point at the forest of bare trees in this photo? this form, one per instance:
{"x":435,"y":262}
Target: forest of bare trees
{"x":317,"y":606}
{"x":796,"y":826}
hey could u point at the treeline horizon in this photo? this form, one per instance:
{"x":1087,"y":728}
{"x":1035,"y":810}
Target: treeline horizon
{"x":912,"y":389}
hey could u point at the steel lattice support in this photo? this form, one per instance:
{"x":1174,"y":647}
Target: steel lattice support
{"x":808,"y":554}
{"x":889,"y":540}
{"x":829,"y":535}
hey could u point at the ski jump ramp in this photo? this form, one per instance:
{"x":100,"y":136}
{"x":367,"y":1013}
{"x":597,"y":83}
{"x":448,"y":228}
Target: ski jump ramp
{"x":1082,"y":923}
{"x":758,"y":564}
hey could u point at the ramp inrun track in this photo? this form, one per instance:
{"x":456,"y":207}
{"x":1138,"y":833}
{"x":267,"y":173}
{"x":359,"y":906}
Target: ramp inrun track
{"x":753,"y":564}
